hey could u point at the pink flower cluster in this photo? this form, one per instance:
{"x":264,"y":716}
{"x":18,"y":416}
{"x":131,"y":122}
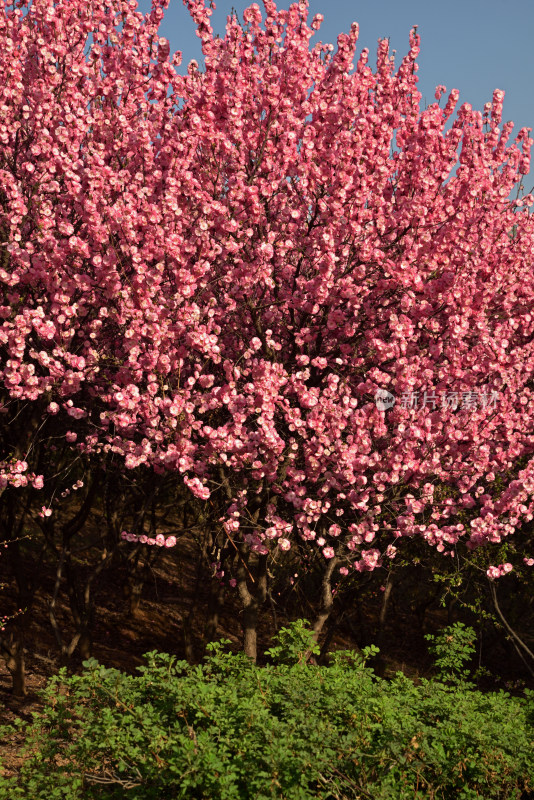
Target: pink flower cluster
{"x":12,"y":473}
{"x":160,"y":540}
{"x":218,"y":270}
{"x":369,"y":561}
{"x":498,"y":572}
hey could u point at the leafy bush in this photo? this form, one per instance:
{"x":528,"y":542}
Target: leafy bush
{"x":293,"y":644}
{"x":452,"y":647}
{"x":229,"y":730}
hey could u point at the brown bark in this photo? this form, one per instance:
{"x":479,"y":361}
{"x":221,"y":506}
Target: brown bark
{"x":253,"y":592}
{"x":13,"y":650}
{"x":133,"y":588}
{"x":215,"y":605}
{"x":189,"y":647}
{"x":384,"y":607}
{"x":380,"y":663}
{"x":326,"y":603}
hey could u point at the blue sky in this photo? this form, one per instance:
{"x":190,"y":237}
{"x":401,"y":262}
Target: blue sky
{"x":475,"y":46}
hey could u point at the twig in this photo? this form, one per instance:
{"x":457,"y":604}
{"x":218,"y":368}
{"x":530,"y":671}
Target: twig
{"x":513,"y":634}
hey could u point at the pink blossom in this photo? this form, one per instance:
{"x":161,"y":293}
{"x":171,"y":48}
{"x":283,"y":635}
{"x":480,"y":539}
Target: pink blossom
{"x":220,"y":336}
{"x":284,"y":544}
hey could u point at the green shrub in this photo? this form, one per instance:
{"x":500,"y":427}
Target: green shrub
{"x":451,"y":648}
{"x":229,"y":730}
{"x":293,"y":644}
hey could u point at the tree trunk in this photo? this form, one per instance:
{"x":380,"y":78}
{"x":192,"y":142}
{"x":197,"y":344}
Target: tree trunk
{"x":326,"y":602}
{"x":253,"y":592}
{"x":134,"y":591}
{"x":384,"y":608}
{"x":380,"y":664}
{"x":250,"y":629}
{"x":15,"y":662}
{"x":332,"y":625}
{"x":215,"y":604}
{"x":189,"y":647}
{"x":85,"y":645}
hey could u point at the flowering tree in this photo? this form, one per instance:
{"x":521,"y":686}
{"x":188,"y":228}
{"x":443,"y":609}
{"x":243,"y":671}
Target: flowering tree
{"x":233,"y":273}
